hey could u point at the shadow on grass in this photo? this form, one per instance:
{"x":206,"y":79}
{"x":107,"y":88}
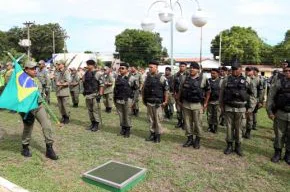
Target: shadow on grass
{"x":13,"y":144}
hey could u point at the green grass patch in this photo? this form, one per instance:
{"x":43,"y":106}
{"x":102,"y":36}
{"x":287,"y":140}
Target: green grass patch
{"x":170,"y":167}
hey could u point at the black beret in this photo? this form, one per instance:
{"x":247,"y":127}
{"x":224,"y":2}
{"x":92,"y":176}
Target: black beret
{"x":125,"y":65}
{"x":167,"y":68}
{"x":182,"y":63}
{"x":215,"y":69}
{"x":249,"y":68}
{"x":153,"y":62}
{"x":224,"y":68}
{"x":256,"y":69}
{"x":91,"y":62}
{"x":194,"y":65}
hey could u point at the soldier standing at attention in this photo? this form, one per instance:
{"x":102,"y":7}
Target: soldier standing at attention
{"x":190,"y":97}
{"x":62,"y":91}
{"x":261,"y":87}
{"x":155,"y":97}
{"x":124,"y":89}
{"x":41,"y":116}
{"x":253,"y":101}
{"x":108,"y":89}
{"x":234,"y":97}
{"x":213,"y":109}
{"x":177,"y":80}
{"x":43,"y":77}
{"x":223,"y":74}
{"x":169,"y":109}
{"x":278,"y":109}
{"x":138,"y":76}
{"x":93,"y":83}
{"x":74,"y":87}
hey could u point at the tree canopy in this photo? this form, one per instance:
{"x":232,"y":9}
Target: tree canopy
{"x":138,"y":47}
{"x":245,"y":45}
{"x":41,"y":37}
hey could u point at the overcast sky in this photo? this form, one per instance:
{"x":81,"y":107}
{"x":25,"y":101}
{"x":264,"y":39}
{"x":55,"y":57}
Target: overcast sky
{"x":93,"y":24}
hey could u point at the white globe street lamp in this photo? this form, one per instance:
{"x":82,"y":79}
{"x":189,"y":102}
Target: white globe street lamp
{"x":166,"y":15}
{"x":148,"y":24}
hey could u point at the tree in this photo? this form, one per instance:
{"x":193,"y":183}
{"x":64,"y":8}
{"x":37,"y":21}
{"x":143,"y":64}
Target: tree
{"x":241,"y":43}
{"x":41,"y":37}
{"x":138,"y":47}
{"x":282,"y":50}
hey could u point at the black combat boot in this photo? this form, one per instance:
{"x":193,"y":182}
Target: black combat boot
{"x":63,"y":119}
{"x":25,"y":151}
{"x":95,"y":127}
{"x":123,"y":130}
{"x":108,"y":109}
{"x":238,"y":149}
{"x":50,"y":152}
{"x":222,"y":123}
{"x":179,"y":124}
{"x":75,"y":105}
{"x":66,"y":119}
{"x":91,"y":126}
{"x":229,"y":148}
{"x":196,"y":143}
{"x":287,"y":157}
{"x":151,"y":137}
{"x":127,"y":132}
{"x":247,"y":134}
{"x":254,"y":127}
{"x":157,"y":138}
{"x":215,"y":128}
{"x":277,"y":155}
{"x":136,"y":112}
{"x":189,"y":141}
{"x":210,"y":128}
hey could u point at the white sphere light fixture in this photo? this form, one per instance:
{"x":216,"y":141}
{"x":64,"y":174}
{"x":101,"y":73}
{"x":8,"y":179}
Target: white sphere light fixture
{"x":181,"y":25}
{"x":166,"y":14}
{"x":148,"y":24}
{"x":199,"y":19}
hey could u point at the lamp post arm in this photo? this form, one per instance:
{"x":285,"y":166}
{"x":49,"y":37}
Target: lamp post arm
{"x":154,"y":3}
{"x":196,"y":1}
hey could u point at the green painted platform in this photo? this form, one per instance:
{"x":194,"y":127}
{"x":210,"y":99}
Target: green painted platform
{"x":115,"y":176}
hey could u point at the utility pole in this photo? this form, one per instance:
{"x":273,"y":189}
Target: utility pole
{"x":220,"y":49}
{"x":64,"y":44}
{"x":53,"y":43}
{"x":28,"y":25}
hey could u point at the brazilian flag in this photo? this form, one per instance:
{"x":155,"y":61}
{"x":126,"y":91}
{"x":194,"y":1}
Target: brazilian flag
{"x":21,"y":92}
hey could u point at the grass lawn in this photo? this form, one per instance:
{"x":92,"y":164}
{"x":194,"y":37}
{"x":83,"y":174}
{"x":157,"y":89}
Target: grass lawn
{"x":170,"y":167}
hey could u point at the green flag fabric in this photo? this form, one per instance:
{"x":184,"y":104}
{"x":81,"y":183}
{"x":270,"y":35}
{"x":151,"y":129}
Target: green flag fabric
{"x":21,"y":93}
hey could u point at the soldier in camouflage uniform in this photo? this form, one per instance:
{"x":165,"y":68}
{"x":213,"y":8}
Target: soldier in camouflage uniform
{"x":108,"y":89}
{"x":43,"y":77}
{"x":41,"y":116}
{"x":8,"y":72}
{"x":124,"y":89}
{"x":234,"y":99}
{"x":261,"y":89}
{"x":248,"y":125}
{"x":213,"y":109}
{"x":93,"y":83}
{"x":138,"y":76}
{"x":62,"y":79}
{"x":169,"y":109}
{"x":223,"y":74}
{"x":177,"y":80}
{"x":155,"y":97}
{"x":278,"y":109}
{"x":74,"y":87}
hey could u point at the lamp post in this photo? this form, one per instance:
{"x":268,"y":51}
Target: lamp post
{"x":167,"y":15}
{"x":65,"y":37}
{"x":28,"y":25}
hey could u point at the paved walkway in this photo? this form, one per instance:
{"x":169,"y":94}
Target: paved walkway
{"x":7,"y":186}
